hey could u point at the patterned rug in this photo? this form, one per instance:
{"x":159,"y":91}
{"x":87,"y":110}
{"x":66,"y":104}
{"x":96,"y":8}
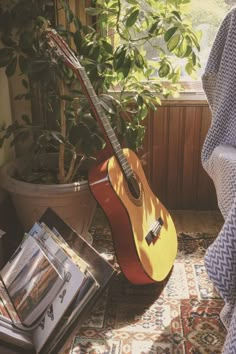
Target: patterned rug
{"x":180,"y":317}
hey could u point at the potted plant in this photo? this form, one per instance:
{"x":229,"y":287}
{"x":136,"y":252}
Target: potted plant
{"x":112,"y":50}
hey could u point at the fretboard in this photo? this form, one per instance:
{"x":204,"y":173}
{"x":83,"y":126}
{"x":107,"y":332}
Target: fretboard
{"x":103,"y":121}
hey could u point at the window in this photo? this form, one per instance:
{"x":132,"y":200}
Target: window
{"x":207,"y":16}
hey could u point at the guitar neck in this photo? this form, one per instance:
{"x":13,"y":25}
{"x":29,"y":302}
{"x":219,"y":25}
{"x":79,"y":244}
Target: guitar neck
{"x":98,"y":110}
{"x":103,"y":121}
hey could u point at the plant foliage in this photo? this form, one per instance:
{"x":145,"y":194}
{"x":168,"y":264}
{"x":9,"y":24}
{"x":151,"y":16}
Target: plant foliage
{"x":113,"y":51}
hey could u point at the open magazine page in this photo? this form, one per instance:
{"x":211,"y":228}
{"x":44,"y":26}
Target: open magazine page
{"x":60,"y":304}
{"x":66,"y":248}
{"x":8,"y":322}
{"x":31,"y":281}
{"x":71,"y":315}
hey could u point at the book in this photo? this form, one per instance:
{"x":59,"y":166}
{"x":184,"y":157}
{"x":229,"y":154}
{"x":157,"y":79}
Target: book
{"x":48,"y":286}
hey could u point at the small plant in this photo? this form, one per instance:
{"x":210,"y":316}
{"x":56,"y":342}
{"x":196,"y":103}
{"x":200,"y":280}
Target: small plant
{"x":113,"y":52}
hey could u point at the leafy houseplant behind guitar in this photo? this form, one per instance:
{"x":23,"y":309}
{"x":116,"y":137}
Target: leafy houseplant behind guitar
{"x":143,"y":232}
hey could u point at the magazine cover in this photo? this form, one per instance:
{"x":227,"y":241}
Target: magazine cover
{"x":31,"y":281}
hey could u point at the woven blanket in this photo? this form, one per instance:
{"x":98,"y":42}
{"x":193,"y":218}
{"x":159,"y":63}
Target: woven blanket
{"x":219,"y":160}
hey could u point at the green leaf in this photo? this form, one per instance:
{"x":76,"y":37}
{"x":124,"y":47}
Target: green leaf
{"x":125,"y":69}
{"x":140,"y":100}
{"x":188,"y":51}
{"x":164,"y":70}
{"x":177,"y":14}
{"x":189,"y":68}
{"x":23,"y":63}
{"x":93,"y":11}
{"x":69,"y":16}
{"x":183,"y":48}
{"x":11,"y":67}
{"x":6,"y":55}
{"x":25,"y":83}
{"x":77,"y":23}
{"x":138,"y":59}
{"x":173,"y":42}
{"x":194,"y":58}
{"x":26,"y":119}
{"x":1,"y":142}
{"x":67,"y":98}
{"x":58,"y":137}
{"x":119,"y":58}
{"x":26,"y":39}
{"x":132,"y":2}
{"x":78,"y":39}
{"x":153,"y":28}
{"x":132,"y":18}
{"x":108,"y":47}
{"x":169,"y":33}
{"x":194,"y":39}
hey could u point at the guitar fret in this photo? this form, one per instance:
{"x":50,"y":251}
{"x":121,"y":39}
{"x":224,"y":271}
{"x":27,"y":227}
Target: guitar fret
{"x":123,"y":160}
{"x":115,"y":143}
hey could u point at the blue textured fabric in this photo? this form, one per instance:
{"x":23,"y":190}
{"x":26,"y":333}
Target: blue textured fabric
{"x":219,"y":160}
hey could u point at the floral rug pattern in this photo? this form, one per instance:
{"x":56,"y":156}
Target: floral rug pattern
{"x":181,"y":317}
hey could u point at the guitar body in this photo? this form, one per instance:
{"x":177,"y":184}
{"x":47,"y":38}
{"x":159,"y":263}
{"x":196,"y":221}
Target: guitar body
{"x":142,"y":261}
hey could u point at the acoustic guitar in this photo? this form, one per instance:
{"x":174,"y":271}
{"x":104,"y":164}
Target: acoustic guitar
{"x":143,"y":231}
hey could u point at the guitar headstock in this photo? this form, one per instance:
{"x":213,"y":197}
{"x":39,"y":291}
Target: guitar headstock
{"x":59,"y":48}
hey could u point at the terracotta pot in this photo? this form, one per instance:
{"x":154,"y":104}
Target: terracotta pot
{"x":73,"y":202}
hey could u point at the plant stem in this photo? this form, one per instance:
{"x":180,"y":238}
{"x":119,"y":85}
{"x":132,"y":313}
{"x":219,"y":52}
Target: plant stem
{"x":61,"y":158}
{"x":70,"y":172}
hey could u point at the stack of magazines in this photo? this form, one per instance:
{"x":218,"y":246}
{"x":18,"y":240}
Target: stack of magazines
{"x":44,"y":287}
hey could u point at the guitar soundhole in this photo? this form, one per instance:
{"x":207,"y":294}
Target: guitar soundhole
{"x":134,"y":187}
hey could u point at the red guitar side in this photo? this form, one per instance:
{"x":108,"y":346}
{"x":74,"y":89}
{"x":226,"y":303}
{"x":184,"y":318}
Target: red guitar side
{"x":143,"y":232}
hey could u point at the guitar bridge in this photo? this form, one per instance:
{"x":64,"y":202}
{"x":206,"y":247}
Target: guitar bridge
{"x":155,"y":231}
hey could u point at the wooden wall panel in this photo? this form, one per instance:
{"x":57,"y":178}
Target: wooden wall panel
{"x":172,"y":156}
{"x":78,"y":8}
